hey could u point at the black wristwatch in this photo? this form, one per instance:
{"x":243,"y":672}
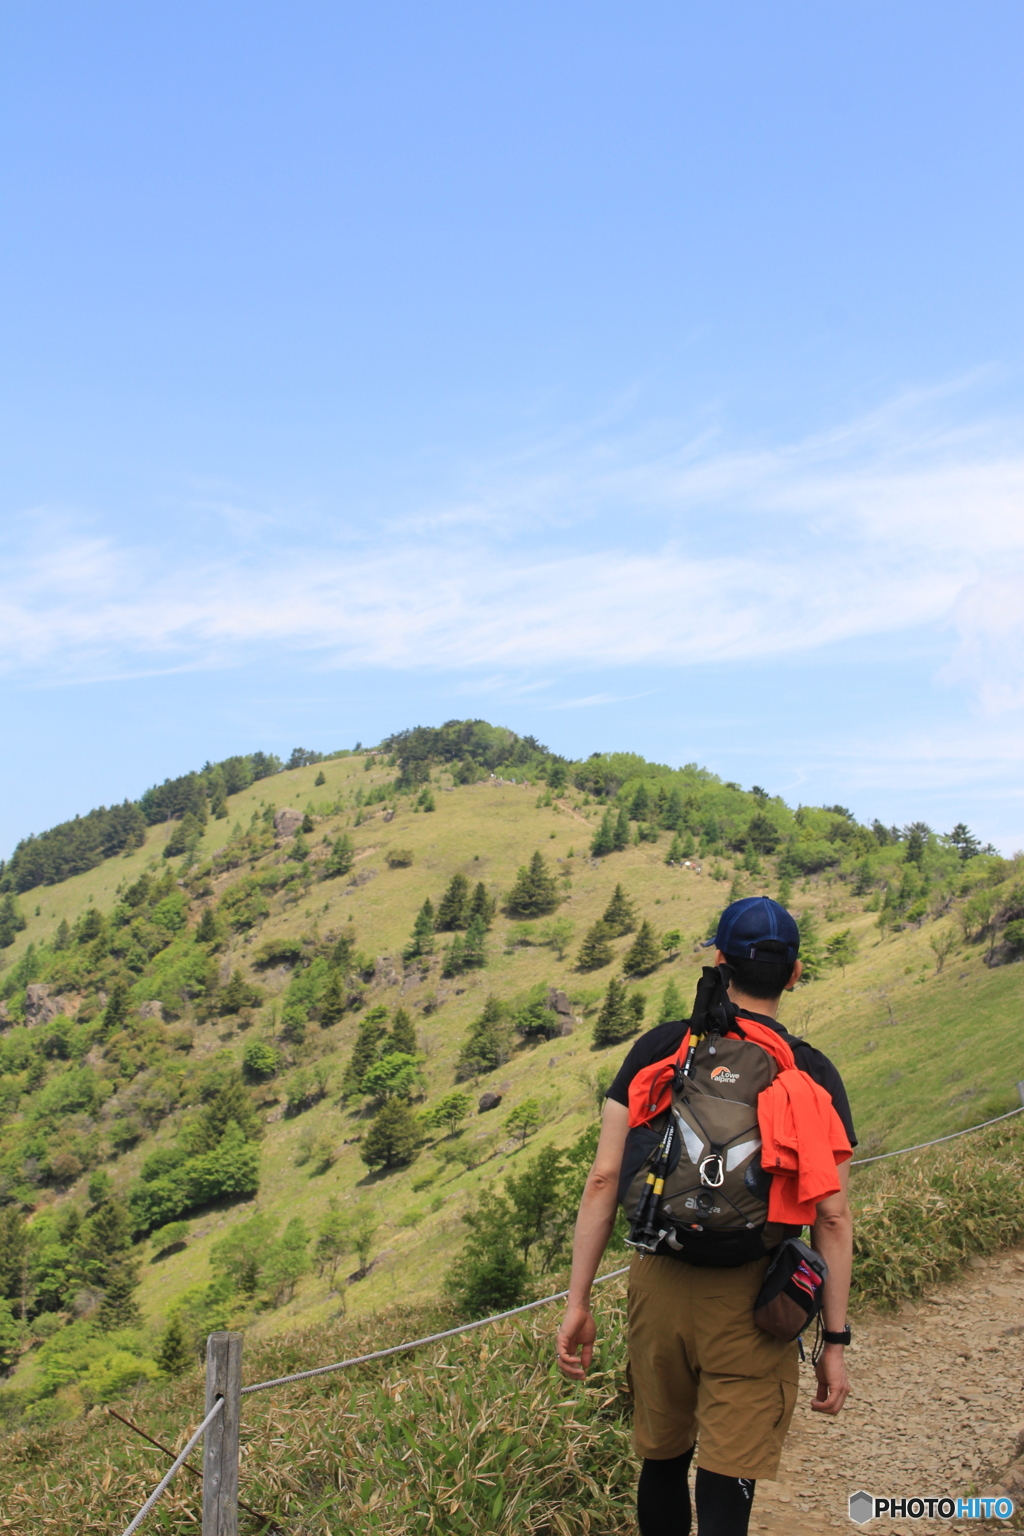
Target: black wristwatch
{"x":842,"y":1337}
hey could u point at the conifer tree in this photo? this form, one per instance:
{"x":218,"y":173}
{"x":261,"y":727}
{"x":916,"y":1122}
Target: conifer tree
{"x":675,"y":853}
{"x":366,"y":1050}
{"x":640,"y":810}
{"x":454,"y":908}
{"x":620,"y":913}
{"x":344,"y":948}
{"x":232,"y":1102}
{"x":620,"y":1015}
{"x":596,"y":949}
{"x":488,"y":1042}
{"x":117,"y":1009}
{"x":621,"y":839}
{"x":672,"y":1005}
{"x":12,"y":920}
{"x":321,"y":778}
{"x":175,"y":1353}
{"x":535,"y":892}
{"x":403,"y":1035}
{"x":393,"y":1136}
{"x":207,"y":931}
{"x":674,"y":812}
{"x":603,"y":841}
{"x":482,"y":905}
{"x":219,"y":806}
{"x":103,"y":1260}
{"x":688,"y":845}
{"x":422,"y":941}
{"x":334,"y":1001}
{"x":62,"y":938}
{"x":299,"y":850}
{"x":454,"y":957}
{"x":238,"y":994}
{"x":644,"y":953}
{"x":474,"y":954}
{"x":339,"y":860}
{"x":308,"y":824}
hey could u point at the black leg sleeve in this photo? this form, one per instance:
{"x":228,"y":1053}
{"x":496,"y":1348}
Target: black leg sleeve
{"x":723,"y":1503}
{"x":663,"y":1497}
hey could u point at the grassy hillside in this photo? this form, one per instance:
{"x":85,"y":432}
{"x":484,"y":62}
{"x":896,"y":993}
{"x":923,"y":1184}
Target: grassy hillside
{"x":922,"y":1050}
{"x":480,"y":1432}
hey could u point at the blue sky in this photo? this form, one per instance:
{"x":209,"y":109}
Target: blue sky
{"x":643,"y":377}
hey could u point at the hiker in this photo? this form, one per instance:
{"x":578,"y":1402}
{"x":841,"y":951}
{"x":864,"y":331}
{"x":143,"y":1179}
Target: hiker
{"x":701,"y":1371}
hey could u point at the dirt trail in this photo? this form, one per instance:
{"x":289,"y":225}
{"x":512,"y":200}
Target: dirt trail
{"x":936,"y":1409}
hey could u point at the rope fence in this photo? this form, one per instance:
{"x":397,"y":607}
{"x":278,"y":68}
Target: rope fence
{"x":224,"y":1351}
{"x":859,"y":1162}
{"x":164,"y":1482}
{"x":431,"y":1338}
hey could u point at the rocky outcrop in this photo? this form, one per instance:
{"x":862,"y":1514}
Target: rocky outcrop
{"x":560,"y":1005}
{"x":488,"y":1101}
{"x":387,"y":973}
{"x":151,"y":1010}
{"x":286,"y":823}
{"x":41,"y":1005}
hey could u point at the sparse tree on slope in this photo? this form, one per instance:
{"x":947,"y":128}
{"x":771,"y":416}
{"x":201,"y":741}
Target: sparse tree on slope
{"x":535,"y":892}
{"x":392,"y":1138}
{"x":620,"y":913}
{"x":597,"y":948}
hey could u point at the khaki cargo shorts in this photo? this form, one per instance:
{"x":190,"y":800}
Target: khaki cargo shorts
{"x":700,"y":1370}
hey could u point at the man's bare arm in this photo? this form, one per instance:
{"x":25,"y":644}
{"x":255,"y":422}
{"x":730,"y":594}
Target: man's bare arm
{"x":593,"y":1228}
{"x":832,"y":1237}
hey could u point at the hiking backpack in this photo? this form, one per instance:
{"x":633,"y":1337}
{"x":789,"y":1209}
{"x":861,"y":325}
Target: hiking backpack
{"x":691,"y":1181}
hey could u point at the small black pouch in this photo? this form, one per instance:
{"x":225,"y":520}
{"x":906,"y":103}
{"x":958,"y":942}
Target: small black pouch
{"x":793,"y":1290}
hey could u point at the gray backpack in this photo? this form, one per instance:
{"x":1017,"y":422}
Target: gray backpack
{"x":691,"y":1181}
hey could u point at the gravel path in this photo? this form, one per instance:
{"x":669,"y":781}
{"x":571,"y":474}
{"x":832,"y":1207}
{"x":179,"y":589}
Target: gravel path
{"x":936,"y":1409}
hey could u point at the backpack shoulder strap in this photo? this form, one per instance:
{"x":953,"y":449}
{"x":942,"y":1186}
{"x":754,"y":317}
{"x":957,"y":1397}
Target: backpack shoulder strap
{"x":768,"y":1040}
{"x":651,"y":1089}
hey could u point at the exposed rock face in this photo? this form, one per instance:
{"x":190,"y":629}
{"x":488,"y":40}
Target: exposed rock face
{"x":559,"y":1004}
{"x":386,"y":972}
{"x":488,"y":1101}
{"x":152,"y":1010}
{"x":287,"y":822}
{"x":41,"y":1005}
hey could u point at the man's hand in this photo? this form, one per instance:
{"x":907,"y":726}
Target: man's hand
{"x":577,"y":1334}
{"x":833,"y":1382}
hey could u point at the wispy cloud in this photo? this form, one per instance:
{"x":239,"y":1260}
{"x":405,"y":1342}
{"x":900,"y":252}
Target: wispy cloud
{"x":607,"y":552}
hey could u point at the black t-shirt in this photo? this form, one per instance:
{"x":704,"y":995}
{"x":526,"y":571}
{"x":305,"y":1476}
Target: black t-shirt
{"x":661,"y":1041}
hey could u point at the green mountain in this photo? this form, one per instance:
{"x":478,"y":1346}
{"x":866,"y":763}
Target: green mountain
{"x":241,"y":1054}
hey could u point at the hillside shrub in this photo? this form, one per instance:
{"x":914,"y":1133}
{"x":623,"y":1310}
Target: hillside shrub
{"x":230,"y":1171}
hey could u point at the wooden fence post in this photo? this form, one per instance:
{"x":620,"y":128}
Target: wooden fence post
{"x":220,"y":1445}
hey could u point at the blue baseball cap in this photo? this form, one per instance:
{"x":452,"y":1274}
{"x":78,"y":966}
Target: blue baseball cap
{"x":751,"y":922}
